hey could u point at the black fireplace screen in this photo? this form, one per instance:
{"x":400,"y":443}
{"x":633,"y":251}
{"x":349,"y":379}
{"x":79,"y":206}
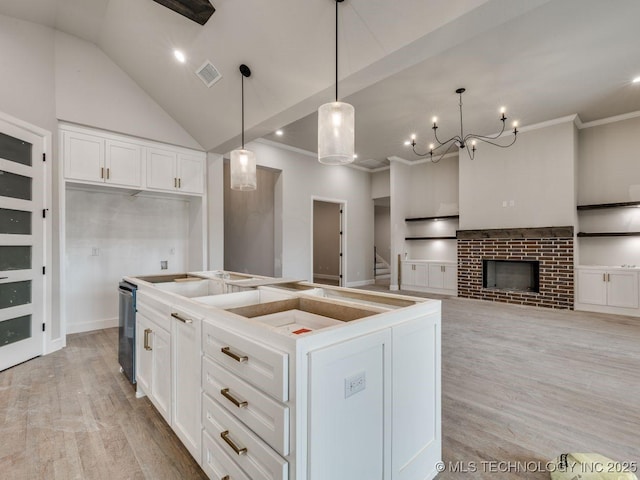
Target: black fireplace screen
{"x":515,"y":275}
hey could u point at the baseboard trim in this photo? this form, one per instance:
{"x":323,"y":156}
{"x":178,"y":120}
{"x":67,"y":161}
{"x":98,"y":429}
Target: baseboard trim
{"x":394,"y":288}
{"x":92,"y":325}
{"x":360,"y":283}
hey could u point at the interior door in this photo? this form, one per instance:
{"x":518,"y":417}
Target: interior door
{"x":21,"y":246}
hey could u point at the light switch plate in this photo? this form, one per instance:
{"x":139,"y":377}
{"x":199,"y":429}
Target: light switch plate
{"x":354,"y":384}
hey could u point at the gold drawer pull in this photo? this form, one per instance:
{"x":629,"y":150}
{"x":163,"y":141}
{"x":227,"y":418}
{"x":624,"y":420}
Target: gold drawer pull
{"x":182,"y":319}
{"x":147,"y":331}
{"x":225,"y":437}
{"x":238,"y":403}
{"x":238,"y":358}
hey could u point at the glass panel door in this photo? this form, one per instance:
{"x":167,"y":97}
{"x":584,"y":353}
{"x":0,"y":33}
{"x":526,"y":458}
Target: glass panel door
{"x":21,"y":245}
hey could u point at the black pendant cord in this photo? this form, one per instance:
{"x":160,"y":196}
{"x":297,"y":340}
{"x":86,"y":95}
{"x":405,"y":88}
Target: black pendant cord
{"x":242,"y":88}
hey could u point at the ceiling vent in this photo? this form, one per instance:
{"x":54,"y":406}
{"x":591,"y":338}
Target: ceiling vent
{"x":208,"y":73}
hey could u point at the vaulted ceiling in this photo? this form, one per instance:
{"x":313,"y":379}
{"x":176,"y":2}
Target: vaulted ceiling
{"x":400,"y":62}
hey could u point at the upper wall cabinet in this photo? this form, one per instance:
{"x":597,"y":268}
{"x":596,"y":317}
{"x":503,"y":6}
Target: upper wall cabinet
{"x":173,"y":171}
{"x":96,"y":157}
{"x":90,"y":158}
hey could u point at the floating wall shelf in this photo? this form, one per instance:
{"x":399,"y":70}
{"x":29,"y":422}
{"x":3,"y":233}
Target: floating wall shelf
{"x":453,"y":237}
{"x":608,"y":234}
{"x":422,"y":219}
{"x":598,"y":206}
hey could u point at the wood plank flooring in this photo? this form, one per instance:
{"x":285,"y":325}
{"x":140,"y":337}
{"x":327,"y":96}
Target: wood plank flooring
{"x":520,"y":384}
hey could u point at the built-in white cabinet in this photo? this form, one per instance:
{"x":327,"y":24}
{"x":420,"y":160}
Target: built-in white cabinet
{"x":171,"y":171}
{"x":186,"y":328}
{"x":91,"y":158}
{"x":98,"y":157}
{"x":430,"y":276}
{"x":616,"y":288}
{"x":153,"y":363}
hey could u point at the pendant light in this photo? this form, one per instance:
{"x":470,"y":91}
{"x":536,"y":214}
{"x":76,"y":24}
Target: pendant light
{"x":243,"y":162}
{"x":336,"y":120}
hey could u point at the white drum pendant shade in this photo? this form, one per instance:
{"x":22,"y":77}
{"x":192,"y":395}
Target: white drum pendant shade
{"x":336,"y":133}
{"x":243,"y":170}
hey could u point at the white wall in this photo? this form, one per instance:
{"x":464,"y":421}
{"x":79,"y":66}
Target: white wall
{"x":132,"y":235}
{"x":609,"y":172}
{"x":537,"y":174}
{"x":381,"y":184}
{"x":92,"y":90}
{"x":399,"y":179}
{"x":432,"y":188}
{"x":303,"y":177}
{"x":215,"y":199}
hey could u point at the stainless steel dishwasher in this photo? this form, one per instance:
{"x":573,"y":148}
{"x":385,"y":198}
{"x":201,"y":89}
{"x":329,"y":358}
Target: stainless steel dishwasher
{"x":127,"y":330}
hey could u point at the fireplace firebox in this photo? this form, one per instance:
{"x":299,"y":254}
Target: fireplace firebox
{"x":511,"y":275}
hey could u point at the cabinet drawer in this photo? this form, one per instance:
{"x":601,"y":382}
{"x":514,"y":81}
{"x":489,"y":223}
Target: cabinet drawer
{"x":254,"y":456}
{"x":154,"y":309}
{"x":217,"y":464}
{"x":262,"y":366}
{"x":268,"y":418}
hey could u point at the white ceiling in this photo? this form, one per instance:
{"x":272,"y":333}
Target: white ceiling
{"x":400,"y":62}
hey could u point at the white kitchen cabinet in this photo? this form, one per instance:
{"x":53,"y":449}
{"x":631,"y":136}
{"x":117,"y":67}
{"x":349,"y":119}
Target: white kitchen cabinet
{"x":414,"y":275}
{"x":153,"y":364}
{"x":176,"y":172}
{"x":608,"y":287}
{"x":430,"y":276}
{"x":185,"y":370}
{"x":91,"y":158}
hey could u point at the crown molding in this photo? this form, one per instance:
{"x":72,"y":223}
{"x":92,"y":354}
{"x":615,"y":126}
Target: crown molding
{"x":604,"y":121}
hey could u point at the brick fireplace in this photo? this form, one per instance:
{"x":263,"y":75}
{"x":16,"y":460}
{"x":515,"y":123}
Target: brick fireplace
{"x":549,"y":248}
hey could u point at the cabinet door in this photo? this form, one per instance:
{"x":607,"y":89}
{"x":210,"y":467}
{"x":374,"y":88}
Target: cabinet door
{"x":190,"y":174}
{"x":450,"y":277}
{"x":622,"y":289}
{"x":123,"y":164}
{"x":186,"y":368}
{"x":416,"y":434}
{"x":350,"y":387}
{"x":161,"y":169}
{"x":144,"y":356}
{"x":421,"y":278}
{"x":436,"y":275}
{"x":83,"y":157}
{"x":592,"y":287}
{"x":408,"y":274}
{"x":161,"y":372}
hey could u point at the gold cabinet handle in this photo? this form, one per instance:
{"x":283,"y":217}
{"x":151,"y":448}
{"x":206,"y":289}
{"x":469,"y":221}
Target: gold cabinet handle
{"x":238,"y":403}
{"x":238,"y":358}
{"x":608,"y":277}
{"x":179,"y":182}
{"x":147,"y":331}
{"x":101,"y":172}
{"x":182,"y":319}
{"x":108,"y":175}
{"x":175,"y":182}
{"x":238,"y":450}
{"x":604,"y":277}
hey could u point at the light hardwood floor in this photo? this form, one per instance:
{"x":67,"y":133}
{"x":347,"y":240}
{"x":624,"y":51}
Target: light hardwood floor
{"x":520,"y":384}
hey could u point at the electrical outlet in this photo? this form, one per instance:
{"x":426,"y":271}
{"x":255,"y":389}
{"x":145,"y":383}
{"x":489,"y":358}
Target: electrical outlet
{"x":164,"y":264}
{"x":354,"y":384}
{"x":172,"y":251}
{"x":95,"y":251}
{"x":512,"y":203}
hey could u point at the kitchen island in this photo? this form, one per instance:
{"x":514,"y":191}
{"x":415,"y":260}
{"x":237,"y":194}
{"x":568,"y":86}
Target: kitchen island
{"x":266,"y":378}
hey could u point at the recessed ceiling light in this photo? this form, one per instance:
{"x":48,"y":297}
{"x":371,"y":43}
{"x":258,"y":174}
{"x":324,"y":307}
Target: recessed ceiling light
{"x":279,"y":133}
{"x":636,"y":80}
{"x":179,"y":56}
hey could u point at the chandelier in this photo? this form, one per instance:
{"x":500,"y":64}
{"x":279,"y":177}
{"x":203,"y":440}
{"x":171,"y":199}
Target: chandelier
{"x":462,"y":141}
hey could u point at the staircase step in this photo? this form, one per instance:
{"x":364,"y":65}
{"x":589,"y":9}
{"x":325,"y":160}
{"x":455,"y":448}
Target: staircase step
{"x":382,"y":271}
{"x":385,"y":275}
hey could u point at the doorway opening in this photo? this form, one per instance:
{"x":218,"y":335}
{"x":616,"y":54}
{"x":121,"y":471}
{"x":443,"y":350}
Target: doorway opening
{"x":382,"y":241}
{"x":328,"y":240}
